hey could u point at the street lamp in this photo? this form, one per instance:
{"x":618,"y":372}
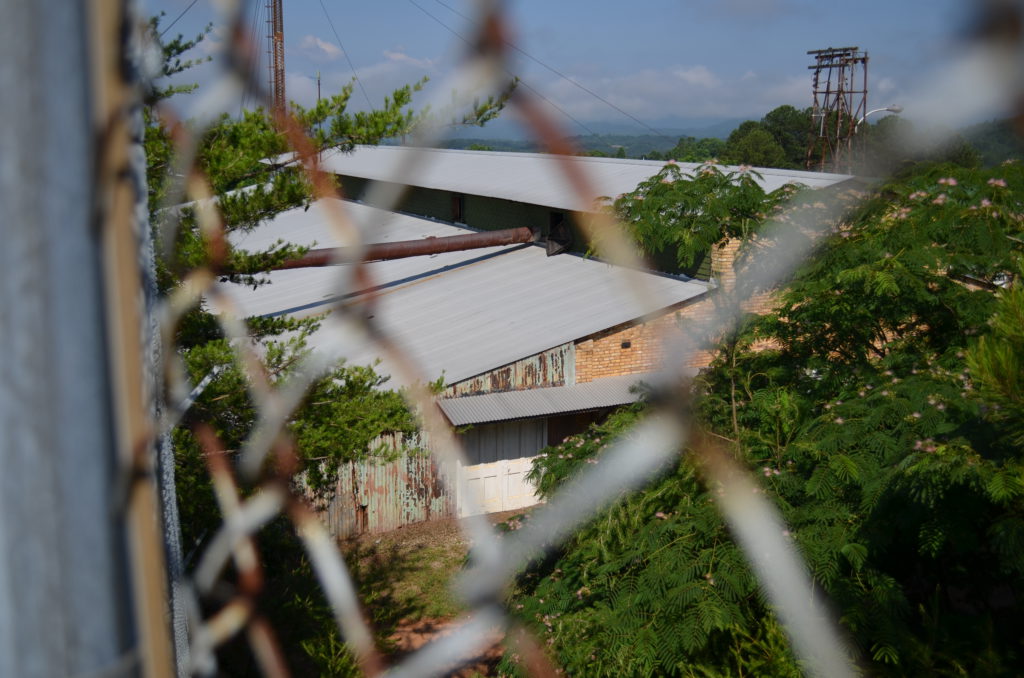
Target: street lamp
{"x":895,"y":108}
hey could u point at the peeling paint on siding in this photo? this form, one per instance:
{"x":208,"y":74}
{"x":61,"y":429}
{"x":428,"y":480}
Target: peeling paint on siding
{"x":376,"y":496}
{"x":554,"y":367}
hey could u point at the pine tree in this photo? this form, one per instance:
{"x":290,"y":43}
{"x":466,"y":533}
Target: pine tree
{"x":345,"y":410}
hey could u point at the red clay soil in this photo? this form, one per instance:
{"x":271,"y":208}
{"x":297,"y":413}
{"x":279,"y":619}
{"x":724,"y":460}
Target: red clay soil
{"x":414,"y":634}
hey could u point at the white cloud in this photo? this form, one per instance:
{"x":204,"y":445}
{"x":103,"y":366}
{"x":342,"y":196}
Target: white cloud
{"x":697,"y":75}
{"x":686,"y":91}
{"x":315,"y":49}
{"x":403,"y":58}
{"x":886,"y":85}
{"x":378,"y":79}
{"x":300,"y":88}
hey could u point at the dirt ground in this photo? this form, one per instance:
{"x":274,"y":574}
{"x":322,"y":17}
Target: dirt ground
{"x":440,"y":532}
{"x":404,"y":577}
{"x":412,"y":635}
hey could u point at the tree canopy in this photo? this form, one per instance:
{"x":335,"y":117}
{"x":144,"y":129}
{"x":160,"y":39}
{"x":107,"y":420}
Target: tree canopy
{"x":884,"y":421}
{"x":676,"y":217}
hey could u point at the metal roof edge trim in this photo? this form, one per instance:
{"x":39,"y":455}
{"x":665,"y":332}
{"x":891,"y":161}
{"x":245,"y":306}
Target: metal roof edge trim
{"x":542,"y":402}
{"x":771,"y":171}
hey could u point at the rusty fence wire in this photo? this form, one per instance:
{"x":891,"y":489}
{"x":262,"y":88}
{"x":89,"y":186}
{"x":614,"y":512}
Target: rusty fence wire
{"x":991,"y":68}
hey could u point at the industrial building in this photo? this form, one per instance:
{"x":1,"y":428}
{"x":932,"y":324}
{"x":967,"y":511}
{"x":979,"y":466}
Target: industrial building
{"x":531,"y":347}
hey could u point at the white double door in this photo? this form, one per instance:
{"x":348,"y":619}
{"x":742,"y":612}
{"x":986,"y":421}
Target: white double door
{"x":499,"y":457}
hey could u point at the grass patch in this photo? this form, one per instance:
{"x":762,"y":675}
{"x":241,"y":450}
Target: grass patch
{"x":406,"y":578}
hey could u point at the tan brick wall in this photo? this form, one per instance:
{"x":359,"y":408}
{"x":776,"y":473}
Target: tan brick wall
{"x":603,"y":355}
{"x":722,"y":267}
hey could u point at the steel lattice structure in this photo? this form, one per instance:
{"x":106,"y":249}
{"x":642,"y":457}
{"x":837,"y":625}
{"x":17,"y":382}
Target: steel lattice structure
{"x":840,"y":87}
{"x":275,"y":49}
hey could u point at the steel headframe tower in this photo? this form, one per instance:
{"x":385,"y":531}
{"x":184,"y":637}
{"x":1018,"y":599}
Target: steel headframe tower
{"x":275,"y":48}
{"x":840,"y":101}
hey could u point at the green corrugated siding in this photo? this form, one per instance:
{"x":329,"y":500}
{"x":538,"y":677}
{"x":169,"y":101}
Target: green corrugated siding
{"x":493,"y":214}
{"x":353,"y":188}
{"x":490,"y":214}
{"x":428,"y":203}
{"x":420,"y":201}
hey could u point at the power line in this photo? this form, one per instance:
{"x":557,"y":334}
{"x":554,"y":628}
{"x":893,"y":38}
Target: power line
{"x":566,"y":78}
{"x":521,"y":81}
{"x":345,"y":53}
{"x":184,"y":12}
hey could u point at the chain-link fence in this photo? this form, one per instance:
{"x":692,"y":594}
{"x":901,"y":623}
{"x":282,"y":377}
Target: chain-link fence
{"x":991,"y":69}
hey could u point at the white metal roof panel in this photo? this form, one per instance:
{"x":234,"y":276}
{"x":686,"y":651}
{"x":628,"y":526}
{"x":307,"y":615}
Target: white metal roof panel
{"x":464,"y":313}
{"x":303,"y":292}
{"x":542,"y":402}
{"x":533,"y":178}
{"x":312,"y":227}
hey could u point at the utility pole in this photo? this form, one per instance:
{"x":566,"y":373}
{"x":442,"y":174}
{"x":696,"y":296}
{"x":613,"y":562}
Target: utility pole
{"x":840,"y":89}
{"x":275,"y":43}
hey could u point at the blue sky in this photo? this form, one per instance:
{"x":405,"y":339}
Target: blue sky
{"x":659,"y":60}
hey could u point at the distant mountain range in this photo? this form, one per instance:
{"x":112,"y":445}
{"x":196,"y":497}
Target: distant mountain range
{"x":509,"y":130}
{"x":633,"y":146}
{"x":993,"y":141}
{"x":606,"y":137}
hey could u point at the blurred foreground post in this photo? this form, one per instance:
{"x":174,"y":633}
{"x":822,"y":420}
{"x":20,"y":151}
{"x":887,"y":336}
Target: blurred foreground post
{"x":80,"y":581}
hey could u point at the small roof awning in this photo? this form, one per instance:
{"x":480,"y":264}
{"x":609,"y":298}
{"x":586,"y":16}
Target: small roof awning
{"x":543,"y":402}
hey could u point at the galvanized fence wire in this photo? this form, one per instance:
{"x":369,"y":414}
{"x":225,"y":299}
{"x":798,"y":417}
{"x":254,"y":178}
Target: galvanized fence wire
{"x":630,"y":462}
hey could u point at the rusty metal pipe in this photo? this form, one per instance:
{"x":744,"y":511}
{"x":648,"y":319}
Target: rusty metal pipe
{"x":415,"y":248}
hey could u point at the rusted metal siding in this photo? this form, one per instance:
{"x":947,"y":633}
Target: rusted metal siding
{"x":376,"y":496}
{"x":554,"y":367}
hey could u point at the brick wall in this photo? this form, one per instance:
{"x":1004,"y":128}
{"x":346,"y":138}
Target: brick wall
{"x":626,"y":349}
{"x":635,"y":348}
{"x":724,"y":271}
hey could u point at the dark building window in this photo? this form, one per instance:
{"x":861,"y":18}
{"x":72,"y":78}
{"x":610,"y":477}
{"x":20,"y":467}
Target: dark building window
{"x":458,"y":208}
{"x":559,"y":234}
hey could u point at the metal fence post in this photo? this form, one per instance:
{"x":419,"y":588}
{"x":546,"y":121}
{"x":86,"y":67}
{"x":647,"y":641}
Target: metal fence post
{"x":65,"y":597}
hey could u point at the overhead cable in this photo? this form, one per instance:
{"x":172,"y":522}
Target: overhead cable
{"x":183,"y":13}
{"x":521,"y":81}
{"x":566,"y":78}
{"x":345,"y":53}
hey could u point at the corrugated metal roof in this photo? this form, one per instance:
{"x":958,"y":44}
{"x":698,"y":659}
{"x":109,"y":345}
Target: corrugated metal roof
{"x":533,"y":178}
{"x":458,"y":314}
{"x":542,"y":402}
